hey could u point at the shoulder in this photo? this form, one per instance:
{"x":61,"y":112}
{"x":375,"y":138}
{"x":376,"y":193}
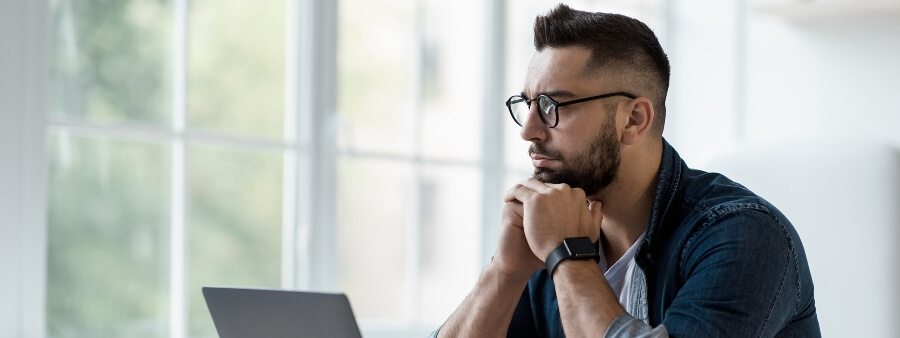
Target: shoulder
{"x":720,"y":216}
{"x":713,"y":193}
{"x":724,"y":249}
{"x":737,"y":262}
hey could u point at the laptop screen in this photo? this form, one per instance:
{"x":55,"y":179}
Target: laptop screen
{"x":240,"y":312}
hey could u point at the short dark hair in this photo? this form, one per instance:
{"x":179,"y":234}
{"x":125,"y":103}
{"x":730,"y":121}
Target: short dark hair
{"x":618,"y":43}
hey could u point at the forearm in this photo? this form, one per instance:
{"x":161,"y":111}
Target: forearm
{"x":587,"y":304}
{"x":488,"y":309}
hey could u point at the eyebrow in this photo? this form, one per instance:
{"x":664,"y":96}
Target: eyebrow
{"x":553,"y":93}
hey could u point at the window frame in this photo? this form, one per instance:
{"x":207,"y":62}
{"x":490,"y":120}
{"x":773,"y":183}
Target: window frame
{"x":23,"y":231}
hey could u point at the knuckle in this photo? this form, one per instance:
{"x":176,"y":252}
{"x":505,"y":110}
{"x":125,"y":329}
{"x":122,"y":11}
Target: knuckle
{"x":580,"y":193}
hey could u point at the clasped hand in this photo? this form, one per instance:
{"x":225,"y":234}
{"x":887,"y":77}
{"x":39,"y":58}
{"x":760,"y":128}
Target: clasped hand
{"x":537,"y":217}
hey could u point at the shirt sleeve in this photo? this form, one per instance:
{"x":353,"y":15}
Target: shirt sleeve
{"x":737,"y":276}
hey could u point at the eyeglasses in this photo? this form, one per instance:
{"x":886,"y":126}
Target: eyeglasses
{"x":548,"y":108}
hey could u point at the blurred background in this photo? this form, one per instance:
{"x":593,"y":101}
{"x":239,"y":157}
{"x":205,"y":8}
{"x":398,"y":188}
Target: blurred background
{"x":151,"y":147}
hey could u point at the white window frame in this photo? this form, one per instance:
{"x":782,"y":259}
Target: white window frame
{"x":312,"y":106}
{"x":23,"y":233}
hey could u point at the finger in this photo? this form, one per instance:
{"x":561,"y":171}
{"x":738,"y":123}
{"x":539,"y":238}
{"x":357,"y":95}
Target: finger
{"x":522,"y":193}
{"x":518,"y":190}
{"x":595,"y":208}
{"x":596,"y":212}
{"x":562,"y":187}
{"x":537,"y":186}
{"x":517,"y":209}
{"x":509,"y":196}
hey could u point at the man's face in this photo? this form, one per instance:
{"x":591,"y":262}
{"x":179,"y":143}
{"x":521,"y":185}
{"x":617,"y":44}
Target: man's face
{"x":583,"y":149}
{"x":592,"y":169}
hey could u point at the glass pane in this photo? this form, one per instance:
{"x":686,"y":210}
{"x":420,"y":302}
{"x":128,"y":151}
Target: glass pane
{"x":110,"y":61}
{"x":377,"y":59}
{"x":234,"y":224}
{"x":450,"y":240}
{"x":236,"y":66}
{"x":373,"y":209}
{"x":108,"y":238}
{"x":452,"y":79}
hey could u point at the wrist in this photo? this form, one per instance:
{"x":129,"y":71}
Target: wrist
{"x":574,"y":248}
{"x":513,"y":275}
{"x":571,"y":267}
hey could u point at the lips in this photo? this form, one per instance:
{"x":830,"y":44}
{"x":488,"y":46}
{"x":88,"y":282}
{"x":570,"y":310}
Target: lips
{"x":541,"y":160}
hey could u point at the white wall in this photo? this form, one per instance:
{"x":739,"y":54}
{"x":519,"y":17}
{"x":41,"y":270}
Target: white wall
{"x":702,"y":46}
{"x":742,"y":76}
{"x":836,"y":76}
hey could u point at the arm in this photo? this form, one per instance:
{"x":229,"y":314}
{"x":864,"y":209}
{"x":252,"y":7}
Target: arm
{"x":739,"y":279}
{"x":488,"y":309}
{"x":587,"y":304}
{"x":554,"y":212}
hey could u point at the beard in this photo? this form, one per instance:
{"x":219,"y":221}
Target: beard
{"x":591,"y":170}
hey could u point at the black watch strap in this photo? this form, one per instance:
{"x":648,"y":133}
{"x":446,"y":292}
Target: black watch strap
{"x":571,"y":248}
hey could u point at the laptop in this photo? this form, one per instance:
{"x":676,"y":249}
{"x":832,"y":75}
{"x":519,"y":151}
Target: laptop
{"x":239,"y":312}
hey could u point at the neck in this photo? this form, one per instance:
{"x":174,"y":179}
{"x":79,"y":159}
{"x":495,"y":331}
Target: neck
{"x":628,"y":201}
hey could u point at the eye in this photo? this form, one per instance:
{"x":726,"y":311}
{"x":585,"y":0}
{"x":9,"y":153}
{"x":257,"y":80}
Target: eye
{"x":546,"y":104}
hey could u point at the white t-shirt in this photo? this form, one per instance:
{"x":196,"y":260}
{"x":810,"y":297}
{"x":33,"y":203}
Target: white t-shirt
{"x":619,"y":275}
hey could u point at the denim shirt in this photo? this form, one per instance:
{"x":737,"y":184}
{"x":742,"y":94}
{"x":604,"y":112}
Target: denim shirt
{"x":716,"y":261}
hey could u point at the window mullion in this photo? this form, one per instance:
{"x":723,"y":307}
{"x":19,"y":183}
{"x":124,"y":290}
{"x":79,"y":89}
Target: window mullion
{"x":493,"y":166}
{"x":316,"y":94}
{"x":23,"y":202}
{"x":289,"y":205}
{"x":178,"y":209}
{"x":415,"y":217}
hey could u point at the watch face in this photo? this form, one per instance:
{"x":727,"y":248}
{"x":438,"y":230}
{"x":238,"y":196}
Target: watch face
{"x":581,"y":247}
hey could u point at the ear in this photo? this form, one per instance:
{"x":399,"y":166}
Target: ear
{"x":638,"y":120}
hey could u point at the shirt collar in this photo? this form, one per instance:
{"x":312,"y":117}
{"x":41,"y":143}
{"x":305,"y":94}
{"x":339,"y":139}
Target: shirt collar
{"x":669,"y":177}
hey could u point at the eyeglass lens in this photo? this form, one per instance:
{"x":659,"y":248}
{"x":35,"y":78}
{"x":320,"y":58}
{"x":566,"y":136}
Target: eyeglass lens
{"x":521,"y":110}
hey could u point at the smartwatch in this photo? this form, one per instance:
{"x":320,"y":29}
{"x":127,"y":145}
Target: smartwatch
{"x":571,"y":248}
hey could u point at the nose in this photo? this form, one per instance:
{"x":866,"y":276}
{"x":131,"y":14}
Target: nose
{"x":534,"y":129}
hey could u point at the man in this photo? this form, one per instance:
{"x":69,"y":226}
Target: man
{"x":659,"y":249}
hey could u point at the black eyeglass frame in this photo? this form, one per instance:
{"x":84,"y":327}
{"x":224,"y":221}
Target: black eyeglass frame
{"x":556,"y":105}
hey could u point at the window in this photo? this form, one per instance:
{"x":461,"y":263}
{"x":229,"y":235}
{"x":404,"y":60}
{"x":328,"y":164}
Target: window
{"x":361,"y":147}
{"x":166,"y":161}
{"x":409,"y":158}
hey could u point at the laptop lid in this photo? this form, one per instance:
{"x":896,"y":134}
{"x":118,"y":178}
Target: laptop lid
{"x":239,"y":312}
